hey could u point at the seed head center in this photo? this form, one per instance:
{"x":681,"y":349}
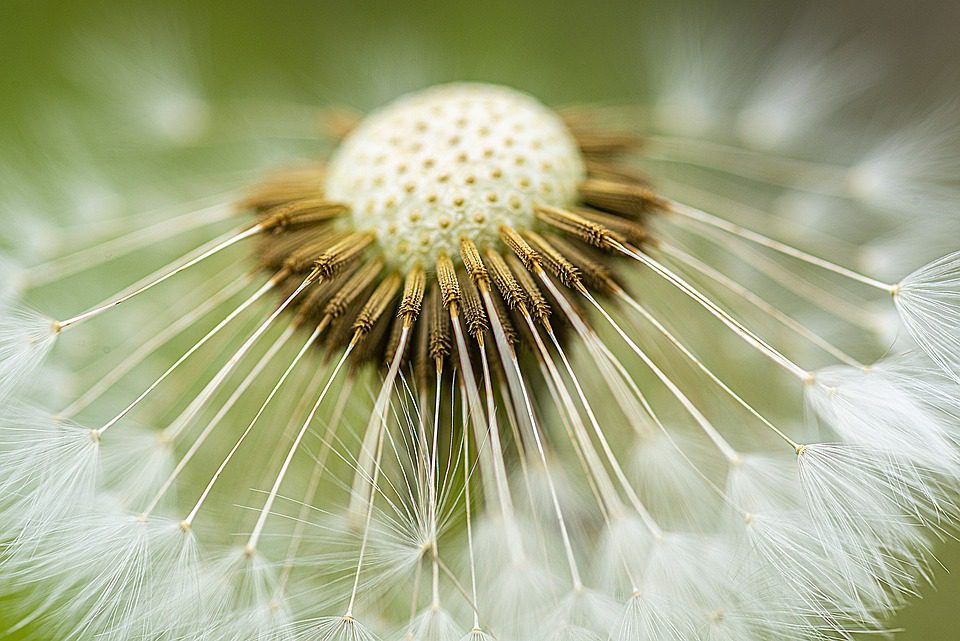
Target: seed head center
{"x":453,"y":161}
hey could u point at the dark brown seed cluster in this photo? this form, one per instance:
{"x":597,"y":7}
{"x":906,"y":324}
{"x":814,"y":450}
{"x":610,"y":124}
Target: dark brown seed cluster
{"x":356,"y":299}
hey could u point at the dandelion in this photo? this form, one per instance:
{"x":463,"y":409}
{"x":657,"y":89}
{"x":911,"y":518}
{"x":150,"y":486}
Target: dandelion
{"x":478,"y":375}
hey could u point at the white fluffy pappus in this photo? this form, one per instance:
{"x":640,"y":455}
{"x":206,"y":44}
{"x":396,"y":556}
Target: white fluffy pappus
{"x":583,"y":614}
{"x":778,"y":544}
{"x":433,"y":624}
{"x":154,"y":82}
{"x":248,"y":602}
{"x":137,"y":573}
{"x":646,"y":618}
{"x":877,"y":409}
{"x":669,"y":473}
{"x":113,"y":575}
{"x":515,"y":579}
{"x":874,"y":511}
{"x":333,"y":628}
{"x":929,"y":301}
{"x":26,"y":338}
{"x":704,"y":588}
{"x":135,"y":462}
{"x":11,"y":274}
{"x":50,"y":473}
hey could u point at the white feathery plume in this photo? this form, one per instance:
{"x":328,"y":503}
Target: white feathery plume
{"x":873,"y":409}
{"x":136,"y":462}
{"x":576,"y":503}
{"x":83,"y":191}
{"x":583,"y":613}
{"x":135,"y":576}
{"x":647,"y":618}
{"x":567,"y":632}
{"x":247,"y":602}
{"x":333,"y":628}
{"x":151,"y":95}
{"x":623,"y":551}
{"x":789,"y":549}
{"x":11,"y":275}
{"x":706,"y":592}
{"x":725,"y":599}
{"x":690,"y":571}
{"x":759,"y":613}
{"x":910,"y":243}
{"x":870,"y":509}
{"x":25,"y":339}
{"x":935,"y":389}
{"x":929,"y":304}
{"x":28,"y":233}
{"x":433,"y":624}
{"x":668,"y":472}
{"x":113,"y":575}
{"x":693,"y":87}
{"x":393,"y":549}
{"x":516,"y":584}
{"x":477,"y":635}
{"x":50,"y":472}
{"x":764,"y":483}
{"x":782,"y":546}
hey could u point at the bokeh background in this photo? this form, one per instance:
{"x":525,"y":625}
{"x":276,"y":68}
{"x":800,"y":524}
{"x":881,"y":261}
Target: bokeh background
{"x":96,"y":97}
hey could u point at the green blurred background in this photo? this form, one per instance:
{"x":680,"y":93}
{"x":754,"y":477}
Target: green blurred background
{"x":268,"y":55}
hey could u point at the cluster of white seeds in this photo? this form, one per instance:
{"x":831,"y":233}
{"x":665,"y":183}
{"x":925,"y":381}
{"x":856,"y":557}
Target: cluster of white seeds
{"x":453,"y":161}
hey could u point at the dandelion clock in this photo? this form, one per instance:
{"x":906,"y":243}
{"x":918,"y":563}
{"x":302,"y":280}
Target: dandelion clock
{"x":482,"y":367}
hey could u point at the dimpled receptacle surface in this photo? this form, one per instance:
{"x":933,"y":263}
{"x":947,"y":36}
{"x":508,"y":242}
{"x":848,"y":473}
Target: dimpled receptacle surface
{"x":450,"y":162}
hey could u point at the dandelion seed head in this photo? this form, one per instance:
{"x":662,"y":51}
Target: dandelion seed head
{"x":452,"y":161}
{"x":485,"y":371}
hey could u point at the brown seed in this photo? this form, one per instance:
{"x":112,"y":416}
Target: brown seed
{"x":341,"y":253}
{"x":356,"y":285}
{"x":539,"y":307}
{"x":376,"y":305}
{"x":527,"y":255}
{"x":592,"y":267}
{"x":447,"y":278}
{"x":473,"y":263}
{"x":559,"y":266}
{"x":588,"y":231}
{"x":510,"y":289}
{"x":623,"y":198}
{"x":301,"y":213}
{"x":413,"y":289}
{"x":438,"y":321}
{"x":476,"y":318}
